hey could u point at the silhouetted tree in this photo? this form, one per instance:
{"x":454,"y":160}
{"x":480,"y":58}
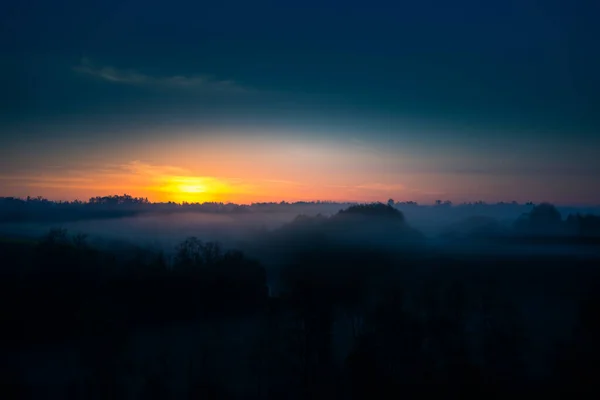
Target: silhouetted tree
{"x":542,"y":219}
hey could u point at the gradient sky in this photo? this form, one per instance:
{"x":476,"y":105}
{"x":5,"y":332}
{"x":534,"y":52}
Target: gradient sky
{"x":312,"y":100}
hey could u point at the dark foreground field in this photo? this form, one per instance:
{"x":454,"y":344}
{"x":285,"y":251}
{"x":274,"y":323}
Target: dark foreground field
{"x":357,"y":305}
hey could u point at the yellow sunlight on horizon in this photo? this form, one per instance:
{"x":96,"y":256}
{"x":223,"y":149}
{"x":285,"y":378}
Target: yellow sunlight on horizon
{"x":239,"y":183}
{"x":190,"y":189}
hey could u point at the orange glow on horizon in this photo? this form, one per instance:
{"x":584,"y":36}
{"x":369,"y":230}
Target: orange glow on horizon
{"x":248,"y":171}
{"x":191,"y":189}
{"x":170,"y":183}
{"x":244,"y":170}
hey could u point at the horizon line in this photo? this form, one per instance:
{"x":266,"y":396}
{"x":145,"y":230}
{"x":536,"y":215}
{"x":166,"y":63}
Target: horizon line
{"x":445,"y":203}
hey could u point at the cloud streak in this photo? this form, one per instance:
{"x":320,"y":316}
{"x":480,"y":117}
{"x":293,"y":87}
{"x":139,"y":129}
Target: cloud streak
{"x":173,"y":82}
{"x":381,"y":187}
{"x":136,"y":178}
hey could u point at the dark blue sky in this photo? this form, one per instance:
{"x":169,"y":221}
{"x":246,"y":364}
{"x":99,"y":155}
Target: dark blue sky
{"x":464,"y":76}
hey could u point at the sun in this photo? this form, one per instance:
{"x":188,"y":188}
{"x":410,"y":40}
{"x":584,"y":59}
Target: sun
{"x":191,"y":189}
{"x":184,"y":188}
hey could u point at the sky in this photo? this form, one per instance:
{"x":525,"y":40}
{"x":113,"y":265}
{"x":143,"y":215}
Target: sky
{"x":313,"y":100}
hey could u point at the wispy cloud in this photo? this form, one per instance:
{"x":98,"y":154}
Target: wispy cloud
{"x":136,"y":78}
{"x":284,"y":182}
{"x":142,"y":168}
{"x":134,"y":177}
{"x":381,"y":187}
{"x":46,"y":181}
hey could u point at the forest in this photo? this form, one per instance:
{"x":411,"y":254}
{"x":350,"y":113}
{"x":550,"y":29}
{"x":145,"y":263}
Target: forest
{"x":356,"y":304}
